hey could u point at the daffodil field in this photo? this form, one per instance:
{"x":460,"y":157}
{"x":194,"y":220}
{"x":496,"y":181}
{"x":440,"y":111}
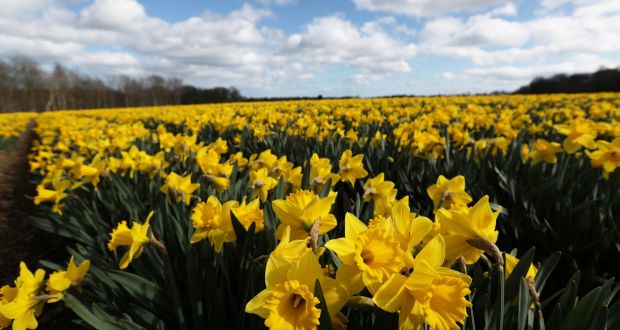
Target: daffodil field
{"x":481,"y":212}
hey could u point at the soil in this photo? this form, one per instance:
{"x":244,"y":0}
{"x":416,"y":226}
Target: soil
{"x":19,"y":240}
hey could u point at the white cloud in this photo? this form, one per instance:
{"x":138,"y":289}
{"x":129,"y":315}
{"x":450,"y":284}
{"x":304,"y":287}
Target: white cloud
{"x":508,"y":9}
{"x":425,"y":7}
{"x":447,"y":75}
{"x":577,"y":64}
{"x":241,"y":48}
{"x":277,"y":2}
{"x":369,"y":49}
{"x":485,"y":39}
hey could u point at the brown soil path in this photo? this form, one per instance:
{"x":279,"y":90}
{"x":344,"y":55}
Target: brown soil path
{"x":19,"y":240}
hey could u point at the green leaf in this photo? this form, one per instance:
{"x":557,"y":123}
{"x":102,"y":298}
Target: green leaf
{"x":324,"y":319}
{"x":546,"y":269}
{"x":85,"y":314}
{"x":525,"y":301}
{"x":518,"y":273}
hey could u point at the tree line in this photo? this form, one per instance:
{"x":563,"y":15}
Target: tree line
{"x":26,"y":86}
{"x":603,"y":80}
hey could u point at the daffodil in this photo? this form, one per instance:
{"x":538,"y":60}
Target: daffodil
{"x":449,"y":194}
{"x":220,"y":146}
{"x":56,"y":195}
{"x":607,"y":155}
{"x":543,"y":150}
{"x":461,"y":229}
{"x":211,"y":219}
{"x":321,"y":171}
{"x":7,"y":294}
{"x":250,"y":213}
{"x":262,"y":183}
{"x":431,"y":293}
{"x":152,"y":165}
{"x":409,"y":229}
{"x":525,"y":153}
{"x":381,"y":192}
{"x":25,"y":306}
{"x":511,"y":263}
{"x":288,"y":301}
{"x":265,"y":160}
{"x":180,"y":188}
{"x":301,"y":209}
{"x":90,"y":173}
{"x":135,"y":238}
{"x":377,"y":187}
{"x":351,"y":167}
{"x":238,"y":159}
{"x":580,"y":133}
{"x":369,"y":255}
{"x":60,"y":281}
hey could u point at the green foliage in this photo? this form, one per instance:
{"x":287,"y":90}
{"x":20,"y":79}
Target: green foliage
{"x":568,"y":207}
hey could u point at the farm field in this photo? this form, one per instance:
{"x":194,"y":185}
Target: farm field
{"x":469,"y":212}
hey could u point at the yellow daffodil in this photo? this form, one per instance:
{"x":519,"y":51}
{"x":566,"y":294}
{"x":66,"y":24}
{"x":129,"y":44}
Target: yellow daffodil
{"x":351,"y":167}
{"x":7,"y":294}
{"x":60,"y":281}
{"x":220,"y":146}
{"x":543,"y":150}
{"x":288,"y":301}
{"x":381,"y":192}
{"x":580,"y":133}
{"x":321,"y":171}
{"x":25,"y":306}
{"x":301,"y":209}
{"x":211,"y":219}
{"x":607,"y":155}
{"x":238,"y":159}
{"x":449,"y":194}
{"x":152,"y":165}
{"x":525,"y":153}
{"x":460,"y":228}
{"x":431,"y":293}
{"x":55,"y":195}
{"x":369,"y":255}
{"x":180,"y":188}
{"x":135,"y":238}
{"x":265,"y":160}
{"x":409,"y":229}
{"x":218,"y":173}
{"x":250,"y":213}
{"x":262,"y":183}
{"x":511,"y":263}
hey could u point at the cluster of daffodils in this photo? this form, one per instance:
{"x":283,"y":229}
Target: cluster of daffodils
{"x":398,"y":261}
{"x":224,"y":165}
{"x":81,"y":147}
{"x":13,"y":124}
{"x":21,"y":304}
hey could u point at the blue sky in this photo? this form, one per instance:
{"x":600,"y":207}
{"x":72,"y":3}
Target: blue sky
{"x":333,"y":48}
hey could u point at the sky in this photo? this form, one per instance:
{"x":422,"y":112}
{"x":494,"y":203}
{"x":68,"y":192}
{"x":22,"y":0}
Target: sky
{"x":328,"y":47}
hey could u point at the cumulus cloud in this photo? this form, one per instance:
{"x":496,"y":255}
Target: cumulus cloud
{"x":242,"y":48}
{"x":485,"y":39}
{"x":511,"y":77}
{"x":277,"y":2}
{"x":369,"y":49}
{"x":424,"y":7}
{"x":119,"y":36}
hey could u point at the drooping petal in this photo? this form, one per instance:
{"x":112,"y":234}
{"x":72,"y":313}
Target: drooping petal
{"x":257,"y":304}
{"x":390,"y":295}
